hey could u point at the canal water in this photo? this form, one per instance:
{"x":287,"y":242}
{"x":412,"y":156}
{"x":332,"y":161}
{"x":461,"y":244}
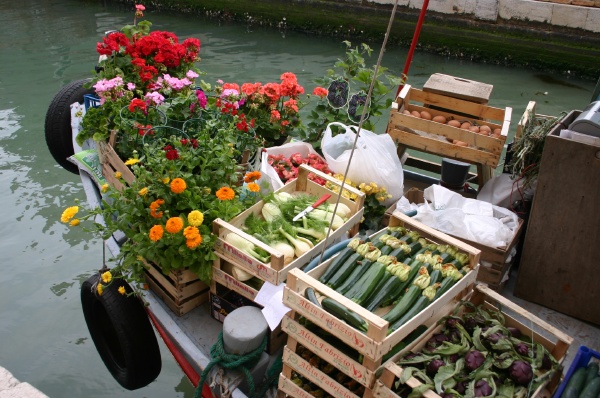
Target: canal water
{"x":45,"y":45}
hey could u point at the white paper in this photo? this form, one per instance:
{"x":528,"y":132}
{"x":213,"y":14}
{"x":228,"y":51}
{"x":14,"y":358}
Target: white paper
{"x":271,"y":298}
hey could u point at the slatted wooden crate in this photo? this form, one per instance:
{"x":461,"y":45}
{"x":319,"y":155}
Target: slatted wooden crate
{"x":275,"y":271}
{"x":555,"y":341}
{"x":112,"y":163}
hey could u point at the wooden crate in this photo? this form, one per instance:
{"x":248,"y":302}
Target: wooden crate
{"x":112,"y":163}
{"x":556,"y":342}
{"x":527,"y":116}
{"x":181,"y":290}
{"x":275,"y":271}
{"x":376,"y":342}
{"x":222,"y":277}
{"x":432,"y":137}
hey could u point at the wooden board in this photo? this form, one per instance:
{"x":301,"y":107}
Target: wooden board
{"x":561,"y":242}
{"x":458,"y":87}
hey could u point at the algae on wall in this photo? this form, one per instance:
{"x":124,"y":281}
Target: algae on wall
{"x":531,"y":45}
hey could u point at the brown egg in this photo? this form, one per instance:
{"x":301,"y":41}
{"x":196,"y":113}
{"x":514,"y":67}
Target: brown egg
{"x":465,"y":125}
{"x":425,"y":115}
{"x":406,"y":112}
{"x":497,"y":132}
{"x":450,"y":140}
{"x":460,"y":143}
{"x":439,"y":119}
{"x":416,"y":114}
{"x":474,"y":129}
{"x":485,"y":129}
{"x":453,"y":123}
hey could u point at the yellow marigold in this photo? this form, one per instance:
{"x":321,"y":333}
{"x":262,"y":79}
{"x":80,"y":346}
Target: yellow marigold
{"x":122,"y":290}
{"x":118,"y":174}
{"x":225,"y":193}
{"x":74,"y":222}
{"x":143,"y":191}
{"x":69,"y":213}
{"x":106,"y":277}
{"x":174,"y":225}
{"x":191,"y":232}
{"x":100,"y":289}
{"x":105,"y":187}
{"x":178,"y":185}
{"x":166,"y":180}
{"x":195,"y":218}
{"x":194,"y":242}
{"x":156,"y":233}
{"x":131,"y":161}
{"x":154,"y":206}
{"x":253,"y":187}
{"x":252,"y":176}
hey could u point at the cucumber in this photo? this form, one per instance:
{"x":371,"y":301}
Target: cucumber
{"x":310,"y":294}
{"x":343,"y":271}
{"x":345,"y":314}
{"x":359,"y":269}
{"x":336,"y":263}
{"x":591,"y":389}
{"x":575,"y":384}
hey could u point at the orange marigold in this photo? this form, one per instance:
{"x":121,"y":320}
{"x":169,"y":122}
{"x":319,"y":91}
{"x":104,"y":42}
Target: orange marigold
{"x":156,"y":233}
{"x":252,"y":176}
{"x":253,"y":187}
{"x":191,"y":232}
{"x":194,"y":242}
{"x":178,"y":185}
{"x":154,"y":206}
{"x":225,"y":193}
{"x":174,"y":225}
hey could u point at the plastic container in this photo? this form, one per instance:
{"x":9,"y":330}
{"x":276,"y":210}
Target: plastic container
{"x":454,"y":173}
{"x":582,"y":358}
{"x":90,"y":101}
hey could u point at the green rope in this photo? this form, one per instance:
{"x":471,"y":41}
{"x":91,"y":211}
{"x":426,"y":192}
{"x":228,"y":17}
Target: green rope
{"x":272,"y":377}
{"x":231,"y":361}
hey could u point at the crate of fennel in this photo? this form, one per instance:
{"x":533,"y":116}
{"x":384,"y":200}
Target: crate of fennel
{"x":302,"y":240}
{"x":372,"y":301}
{"x":499,"y":346}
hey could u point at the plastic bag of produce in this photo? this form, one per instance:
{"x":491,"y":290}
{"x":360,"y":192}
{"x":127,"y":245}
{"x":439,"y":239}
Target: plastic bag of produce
{"x":374,"y":159}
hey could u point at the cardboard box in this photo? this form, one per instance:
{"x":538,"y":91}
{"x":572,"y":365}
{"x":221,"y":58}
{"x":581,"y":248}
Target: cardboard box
{"x":556,"y":342}
{"x":275,"y":271}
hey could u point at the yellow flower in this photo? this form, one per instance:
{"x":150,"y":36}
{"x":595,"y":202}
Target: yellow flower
{"x":225,"y":193}
{"x":131,"y":161}
{"x":74,"y":222}
{"x":69,"y":213}
{"x":122,"y":290}
{"x":143,"y":191}
{"x":195,"y":218}
{"x":104,"y":187}
{"x":174,"y":225}
{"x":178,"y":185}
{"x":106,"y":277}
{"x":118,"y":174}
{"x":100,"y":289}
{"x":166,"y":180}
{"x":156,"y":233}
{"x":253,"y":187}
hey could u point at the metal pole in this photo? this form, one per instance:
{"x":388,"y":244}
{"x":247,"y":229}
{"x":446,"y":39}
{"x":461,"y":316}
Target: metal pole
{"x":413,"y":45}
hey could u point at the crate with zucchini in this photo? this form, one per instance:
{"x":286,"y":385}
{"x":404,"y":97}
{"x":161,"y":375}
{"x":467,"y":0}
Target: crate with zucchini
{"x":582,"y":380}
{"x":398,"y":279}
{"x":484,"y":345}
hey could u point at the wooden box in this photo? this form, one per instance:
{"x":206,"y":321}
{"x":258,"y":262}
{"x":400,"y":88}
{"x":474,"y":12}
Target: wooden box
{"x":181,"y":290}
{"x":376,"y":342}
{"x":563,"y":225}
{"x":112,"y":163}
{"x":432,"y":137}
{"x":225,"y":278}
{"x":275,"y":272}
{"x":556,"y":342}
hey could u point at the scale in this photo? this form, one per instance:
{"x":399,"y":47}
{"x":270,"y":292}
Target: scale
{"x":588,"y":122}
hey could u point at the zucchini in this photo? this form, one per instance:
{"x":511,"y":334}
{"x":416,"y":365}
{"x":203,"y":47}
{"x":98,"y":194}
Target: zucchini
{"x":445,"y":285}
{"x":575,"y":383}
{"x":336,"y":263}
{"x":395,"y":294}
{"x":420,"y":304}
{"x":592,"y":388}
{"x":368,"y":287}
{"x":310,"y":294}
{"x":345,"y":314}
{"x":385,"y":250}
{"x":400,"y":253}
{"x":383,"y":290}
{"x":356,"y":287}
{"x":359,"y":269}
{"x":343,"y":271}
{"x":407,"y":300}
{"x":591,"y":371}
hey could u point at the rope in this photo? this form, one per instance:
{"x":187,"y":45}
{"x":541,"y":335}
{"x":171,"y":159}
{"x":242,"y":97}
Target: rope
{"x":272,"y":377}
{"x":231,"y":361}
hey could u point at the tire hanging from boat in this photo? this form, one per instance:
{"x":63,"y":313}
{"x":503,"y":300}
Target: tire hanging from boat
{"x":59,"y":137}
{"x":122,"y":332}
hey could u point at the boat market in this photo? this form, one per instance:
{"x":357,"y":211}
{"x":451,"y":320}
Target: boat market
{"x":281,"y":252}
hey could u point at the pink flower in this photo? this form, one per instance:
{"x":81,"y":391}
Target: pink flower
{"x":140,"y":7}
{"x":191,"y":74}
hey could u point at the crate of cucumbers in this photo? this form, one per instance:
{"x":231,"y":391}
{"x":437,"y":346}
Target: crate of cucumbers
{"x":583,"y":378}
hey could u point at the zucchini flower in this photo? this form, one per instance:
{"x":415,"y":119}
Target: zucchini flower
{"x":401,"y":271}
{"x":386,"y":260}
{"x":399,"y":229}
{"x":430,"y":291}
{"x":423,"y":279}
{"x":451,"y":271}
{"x":373,"y":253}
{"x":354,"y":243}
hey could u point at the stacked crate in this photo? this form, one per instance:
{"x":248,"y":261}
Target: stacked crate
{"x":370,"y":347}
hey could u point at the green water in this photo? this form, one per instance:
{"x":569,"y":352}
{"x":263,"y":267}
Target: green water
{"x":46,"y":44}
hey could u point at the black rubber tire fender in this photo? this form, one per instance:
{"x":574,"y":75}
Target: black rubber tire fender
{"x":122,"y":333}
{"x":58,"y":122}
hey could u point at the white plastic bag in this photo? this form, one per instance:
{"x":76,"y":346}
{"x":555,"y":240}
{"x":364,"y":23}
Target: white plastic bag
{"x":374,"y":160}
{"x":268,"y":173}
